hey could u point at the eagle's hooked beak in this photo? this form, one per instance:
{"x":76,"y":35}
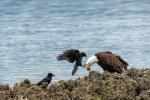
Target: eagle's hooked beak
{"x":88,"y":66}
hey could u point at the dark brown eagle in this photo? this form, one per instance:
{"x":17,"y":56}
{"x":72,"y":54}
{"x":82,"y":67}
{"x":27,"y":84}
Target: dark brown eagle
{"x":108,"y":61}
{"x":72,"y":55}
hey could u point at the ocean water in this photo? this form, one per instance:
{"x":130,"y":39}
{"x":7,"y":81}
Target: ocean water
{"x":34,"y":32}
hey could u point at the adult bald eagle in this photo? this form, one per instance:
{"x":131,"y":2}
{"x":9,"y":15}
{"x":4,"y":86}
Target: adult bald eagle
{"x":108,"y":61}
{"x":72,"y":56}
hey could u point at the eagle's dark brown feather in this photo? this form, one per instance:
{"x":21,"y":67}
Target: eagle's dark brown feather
{"x":110,"y":62}
{"x":124,"y":62}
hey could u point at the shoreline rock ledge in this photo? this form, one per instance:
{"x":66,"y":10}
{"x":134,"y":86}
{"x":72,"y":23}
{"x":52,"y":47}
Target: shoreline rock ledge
{"x":135,"y":85}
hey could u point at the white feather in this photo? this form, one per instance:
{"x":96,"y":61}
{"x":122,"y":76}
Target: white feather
{"x":92,"y":60}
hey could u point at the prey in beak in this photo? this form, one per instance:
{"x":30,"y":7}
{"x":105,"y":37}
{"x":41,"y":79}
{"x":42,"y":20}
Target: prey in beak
{"x":87,"y":66}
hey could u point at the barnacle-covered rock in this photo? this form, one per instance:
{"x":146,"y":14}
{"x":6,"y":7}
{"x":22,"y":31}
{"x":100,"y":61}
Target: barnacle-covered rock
{"x":134,"y":85}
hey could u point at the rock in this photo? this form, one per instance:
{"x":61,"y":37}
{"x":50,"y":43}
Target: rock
{"x":95,"y":86}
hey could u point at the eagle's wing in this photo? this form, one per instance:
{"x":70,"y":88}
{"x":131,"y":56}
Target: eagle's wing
{"x":69,"y":55}
{"x":122,"y":61}
{"x":108,"y":52}
{"x":111,"y":62}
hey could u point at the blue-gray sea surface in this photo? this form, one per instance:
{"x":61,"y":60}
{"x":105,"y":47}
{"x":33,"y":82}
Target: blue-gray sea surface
{"x":34,"y":32}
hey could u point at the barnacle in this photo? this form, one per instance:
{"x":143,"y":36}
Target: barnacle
{"x":95,"y":86}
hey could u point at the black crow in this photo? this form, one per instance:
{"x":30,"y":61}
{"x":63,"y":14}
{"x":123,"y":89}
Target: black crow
{"x":72,"y":56}
{"x":47,"y":79}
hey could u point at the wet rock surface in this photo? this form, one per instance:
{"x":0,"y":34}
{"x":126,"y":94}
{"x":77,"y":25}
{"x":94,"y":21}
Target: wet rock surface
{"x":135,"y":85}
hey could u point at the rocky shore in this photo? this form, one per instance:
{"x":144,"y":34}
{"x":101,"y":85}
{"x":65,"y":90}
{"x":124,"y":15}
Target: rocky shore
{"x":135,"y":85}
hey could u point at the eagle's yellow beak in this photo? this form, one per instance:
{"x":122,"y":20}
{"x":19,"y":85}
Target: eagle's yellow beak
{"x":88,"y":66}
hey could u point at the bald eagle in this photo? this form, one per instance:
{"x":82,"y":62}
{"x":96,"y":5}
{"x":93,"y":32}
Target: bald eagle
{"x":108,"y":61}
{"x":72,"y":55}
